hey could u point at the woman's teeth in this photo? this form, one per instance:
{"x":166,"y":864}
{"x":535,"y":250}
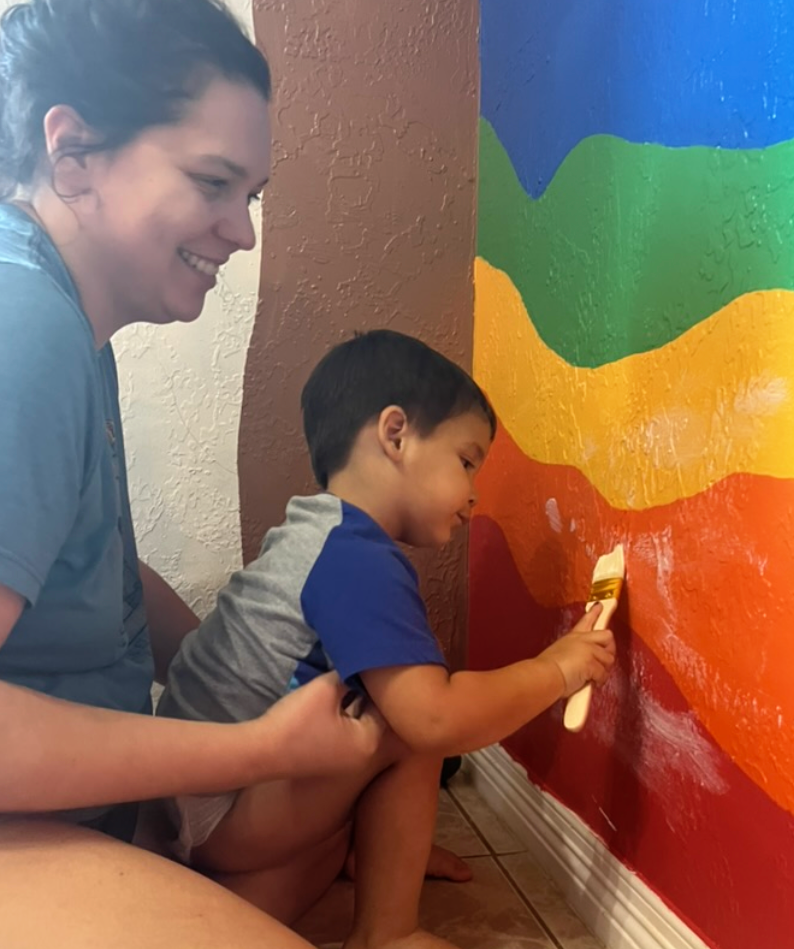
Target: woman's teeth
{"x":199,"y":263}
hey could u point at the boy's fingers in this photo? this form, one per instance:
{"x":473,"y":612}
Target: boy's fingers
{"x":600,"y":637}
{"x":604,"y":637}
{"x":605,"y":660}
{"x":606,"y":655}
{"x":587,"y":622}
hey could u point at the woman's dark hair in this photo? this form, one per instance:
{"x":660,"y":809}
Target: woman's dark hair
{"x":122,"y":65}
{"x":359,"y":378}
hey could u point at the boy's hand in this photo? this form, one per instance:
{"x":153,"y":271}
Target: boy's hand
{"x":313,"y":735}
{"x":583,"y":655}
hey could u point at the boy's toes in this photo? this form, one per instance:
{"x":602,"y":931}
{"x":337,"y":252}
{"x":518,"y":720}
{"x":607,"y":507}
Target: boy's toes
{"x":445,"y":865}
{"x":442,"y":865}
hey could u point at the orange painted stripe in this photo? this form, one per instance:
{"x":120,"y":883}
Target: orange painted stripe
{"x":709,"y":589}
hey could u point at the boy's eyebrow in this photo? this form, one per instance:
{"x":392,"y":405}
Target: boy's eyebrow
{"x":474,"y":449}
{"x":231,"y":166}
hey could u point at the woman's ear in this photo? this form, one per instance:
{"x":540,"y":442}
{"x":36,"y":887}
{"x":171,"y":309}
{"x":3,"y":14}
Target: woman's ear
{"x":66,"y":138}
{"x":392,"y":429}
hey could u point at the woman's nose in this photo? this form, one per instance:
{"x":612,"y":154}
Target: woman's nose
{"x":238,"y":229}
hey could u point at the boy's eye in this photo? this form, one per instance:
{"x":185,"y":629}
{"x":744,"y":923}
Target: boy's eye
{"x":468,"y":465}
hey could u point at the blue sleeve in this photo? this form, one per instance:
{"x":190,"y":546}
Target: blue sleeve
{"x":45,"y":377}
{"x":363,"y":602}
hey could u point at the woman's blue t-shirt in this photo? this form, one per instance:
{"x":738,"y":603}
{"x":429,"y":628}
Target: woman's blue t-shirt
{"x":66,"y":537}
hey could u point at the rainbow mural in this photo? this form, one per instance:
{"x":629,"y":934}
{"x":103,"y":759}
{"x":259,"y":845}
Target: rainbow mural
{"x":634,"y":327}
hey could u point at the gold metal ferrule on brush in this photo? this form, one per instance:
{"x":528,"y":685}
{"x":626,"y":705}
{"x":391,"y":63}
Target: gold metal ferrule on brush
{"x":608,"y":589}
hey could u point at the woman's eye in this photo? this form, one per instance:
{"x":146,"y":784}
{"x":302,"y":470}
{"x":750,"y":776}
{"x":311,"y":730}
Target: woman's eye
{"x":209,"y":184}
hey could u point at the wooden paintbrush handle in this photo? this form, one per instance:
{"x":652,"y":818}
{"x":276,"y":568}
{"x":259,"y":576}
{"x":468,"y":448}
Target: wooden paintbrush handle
{"x":578,"y":704}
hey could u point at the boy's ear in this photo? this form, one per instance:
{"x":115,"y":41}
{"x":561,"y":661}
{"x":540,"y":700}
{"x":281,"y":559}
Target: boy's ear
{"x":392,"y":429}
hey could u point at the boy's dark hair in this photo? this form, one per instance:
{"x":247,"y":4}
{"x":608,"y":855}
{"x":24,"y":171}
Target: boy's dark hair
{"x":122,"y":65}
{"x":359,"y":378}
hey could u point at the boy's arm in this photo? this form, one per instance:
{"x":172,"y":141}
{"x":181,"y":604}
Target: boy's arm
{"x":435,"y":712}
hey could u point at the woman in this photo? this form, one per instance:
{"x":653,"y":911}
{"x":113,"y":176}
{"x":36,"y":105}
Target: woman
{"x":134,"y":136}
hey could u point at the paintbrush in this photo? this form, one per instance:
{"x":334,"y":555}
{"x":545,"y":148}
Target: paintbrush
{"x":607,"y":584}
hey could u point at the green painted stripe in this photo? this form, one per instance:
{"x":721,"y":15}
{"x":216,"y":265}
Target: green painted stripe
{"x":631,"y":245}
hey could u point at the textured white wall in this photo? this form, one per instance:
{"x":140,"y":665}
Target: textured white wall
{"x":181,"y":393}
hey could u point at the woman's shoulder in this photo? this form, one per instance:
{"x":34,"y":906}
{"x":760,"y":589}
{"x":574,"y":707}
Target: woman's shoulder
{"x":48,"y":355}
{"x":39,"y":297}
{"x":39,"y":323}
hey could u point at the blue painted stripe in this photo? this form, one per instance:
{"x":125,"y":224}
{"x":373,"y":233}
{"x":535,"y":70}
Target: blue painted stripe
{"x":674,"y":72}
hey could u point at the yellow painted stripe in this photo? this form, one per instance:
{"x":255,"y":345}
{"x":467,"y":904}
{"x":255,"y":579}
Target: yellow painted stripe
{"x":653,"y":427}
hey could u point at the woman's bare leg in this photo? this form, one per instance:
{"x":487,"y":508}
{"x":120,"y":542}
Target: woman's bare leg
{"x":76,"y":889}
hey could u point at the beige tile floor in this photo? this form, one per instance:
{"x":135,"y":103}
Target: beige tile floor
{"x":510,"y":903}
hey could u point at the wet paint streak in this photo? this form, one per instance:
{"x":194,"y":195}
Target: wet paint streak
{"x":674,"y":748}
{"x":553,"y":515}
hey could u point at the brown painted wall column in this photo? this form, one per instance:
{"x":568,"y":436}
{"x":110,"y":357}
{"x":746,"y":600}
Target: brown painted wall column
{"x":368,"y":222}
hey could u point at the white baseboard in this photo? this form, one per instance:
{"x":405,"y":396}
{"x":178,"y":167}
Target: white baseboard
{"x":609,"y":899}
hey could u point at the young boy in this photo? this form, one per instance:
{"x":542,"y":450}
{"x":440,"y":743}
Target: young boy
{"x":397,"y":434}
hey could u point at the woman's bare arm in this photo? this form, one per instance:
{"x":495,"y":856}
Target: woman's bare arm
{"x":57,"y":754}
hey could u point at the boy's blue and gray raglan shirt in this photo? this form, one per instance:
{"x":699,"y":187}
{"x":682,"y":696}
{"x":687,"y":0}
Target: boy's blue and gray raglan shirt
{"x":329,"y":590}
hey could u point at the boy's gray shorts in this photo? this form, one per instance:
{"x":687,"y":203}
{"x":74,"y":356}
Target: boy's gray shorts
{"x":195,"y":817}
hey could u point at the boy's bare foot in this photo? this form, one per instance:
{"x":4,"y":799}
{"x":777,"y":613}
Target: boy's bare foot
{"x":445,"y":865}
{"x":419,"y":939}
{"x":442,"y":865}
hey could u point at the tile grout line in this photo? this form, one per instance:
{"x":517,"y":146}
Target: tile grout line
{"x":535,"y":912}
{"x":505,"y":873}
{"x":462,"y":810}
{"x":478,"y":833}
